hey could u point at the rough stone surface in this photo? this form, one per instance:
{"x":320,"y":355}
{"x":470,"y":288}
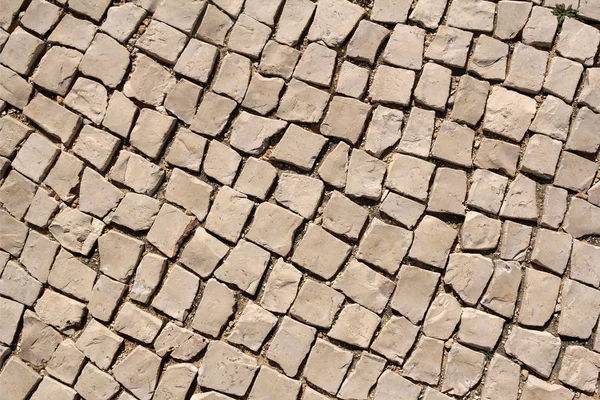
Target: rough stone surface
{"x":299,"y":199}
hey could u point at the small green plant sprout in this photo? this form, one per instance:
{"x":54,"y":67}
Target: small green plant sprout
{"x":561,"y":11}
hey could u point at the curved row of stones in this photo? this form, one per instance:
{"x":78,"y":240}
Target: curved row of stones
{"x":268,"y":200}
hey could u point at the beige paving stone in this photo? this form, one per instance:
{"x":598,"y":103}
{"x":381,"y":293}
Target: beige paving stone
{"x":66,"y":362}
{"x":366,"y":40}
{"x":138,"y":372}
{"x":277,"y":237}
{"x":105,"y":298}
{"x":365,"y":286}
{"x":38,"y":340}
{"x":182,"y":100}
{"x":392,"y":85}
{"x":588,"y":95}
{"x":119,"y":255}
{"x":290,"y":345}
{"x":150,"y":82}
{"x":278,"y":59}
{"x":448,"y":192}
{"x":418,"y":132}
{"x":121,"y":21}
{"x":514,"y":240}
{"x":226,"y":369}
{"x":468,"y":275}
{"x":270,"y":384}
{"x":252,"y":327}
{"x":244,"y":267}
{"x":575,"y":172}
{"x":21,"y":51}
{"x":470,"y":100}
{"x":472,"y":15}
{"x":584,"y":263}
{"x":442,"y":317}
{"x":345,"y":119}
{"x":221,"y":162}
{"x":256,"y":179}
{"x":581,"y":138}
{"x":215,"y":308}
{"x":414,"y":290}
{"x":316,"y":65}
{"x":425,"y":362}
{"x":405,"y":47}
{"x":390,"y":384}
{"x":327,"y":365}
{"x":298,"y":147}
{"x":363,"y":377}
{"x":537,"y":350}
{"x":13,"y":133}
{"x":562,"y":78}
{"x":177,"y":293}
{"x":541,"y":156}
{"x":136,"y":211}
{"x":454,"y":144}
{"x":131,"y":321}
{"x":535,"y":387}
{"x":479,"y":330}
{"x":520,"y":199}
{"x":94,"y":384}
{"x":384,"y":130}
{"x":176,"y":381}
{"x":190,"y":193}
{"x":539,"y":297}
{"x":11,"y":313}
{"x":365,"y":175}
{"x":316,"y":304}
{"x":578,"y":41}
{"x":502,"y":291}
{"x":450,"y":46}
{"x":580,"y":307}
{"x":327,"y":264}
{"x":179,"y":343}
{"x":384,"y":245}
{"x":464,"y":369}
{"x":73,"y":32}
{"x":433,"y":87}
{"x":263,"y":94}
{"x":14,"y":89}
{"x":281,"y":287}
{"x":428,"y":13}
{"x":99,"y":344}
{"x":511,"y":18}
{"x":187,"y":150}
{"x":354,"y":325}
{"x":432,"y":242}
{"x":580,"y":368}
{"x":17,"y":379}
{"x":498,"y":155}
{"x":60,"y":311}
{"x":489,"y":59}
{"x":170,"y":228}
{"x":501,"y":380}
{"x":395,"y":339}
{"x":12,"y":239}
{"x":298,"y":193}
{"x":17,"y":194}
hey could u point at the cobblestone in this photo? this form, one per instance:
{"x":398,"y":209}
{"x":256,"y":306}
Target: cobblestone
{"x":294,"y":199}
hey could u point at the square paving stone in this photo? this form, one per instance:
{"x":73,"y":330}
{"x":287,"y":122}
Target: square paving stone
{"x":317,"y":304}
{"x":326,"y":264}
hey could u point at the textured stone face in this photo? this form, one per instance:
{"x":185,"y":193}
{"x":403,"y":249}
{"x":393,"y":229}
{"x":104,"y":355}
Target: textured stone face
{"x":299,"y":199}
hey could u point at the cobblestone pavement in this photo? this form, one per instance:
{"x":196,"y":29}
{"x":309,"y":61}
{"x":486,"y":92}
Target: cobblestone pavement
{"x":288,"y":199}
